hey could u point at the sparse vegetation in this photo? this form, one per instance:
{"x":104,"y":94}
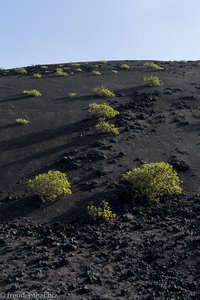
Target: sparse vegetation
{"x":79,"y":70}
{"x":102,"y":111}
{"x":103,"y":91}
{"x":125,"y":66}
{"x":114,"y":71}
{"x":50,"y":186}
{"x":22,"y":121}
{"x":102,"y":212}
{"x":44,"y":67}
{"x":21,"y":71}
{"x":153,"y":66}
{"x":72,"y":94}
{"x":37,"y":75}
{"x":34,"y":93}
{"x":152,"y":81}
{"x":154,"y":180}
{"x":96,"y":73}
{"x":60,"y":72}
{"x":105,"y":127}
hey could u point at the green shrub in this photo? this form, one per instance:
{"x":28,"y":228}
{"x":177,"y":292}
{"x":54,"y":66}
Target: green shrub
{"x":72,"y":94}
{"x":103,"y":91}
{"x":21,"y":71}
{"x":114,"y":71}
{"x":76,"y":64}
{"x":44,"y":67}
{"x":78,"y":70}
{"x":152,"y":81}
{"x":153,"y":66}
{"x":103,"y":212}
{"x":125,"y":66}
{"x":96,"y":73}
{"x":105,"y":127}
{"x":154,"y":180}
{"x":37,"y":75}
{"x":50,"y":186}
{"x":60,"y":72}
{"x":34,"y":93}
{"x":103,"y":111}
{"x":22,"y":121}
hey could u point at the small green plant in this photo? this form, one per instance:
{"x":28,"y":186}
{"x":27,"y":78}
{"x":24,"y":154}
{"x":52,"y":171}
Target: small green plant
{"x":114,"y":71}
{"x":60,"y":72}
{"x":96,"y":73}
{"x":154,"y":180}
{"x":37,"y":75}
{"x":153,"y":66}
{"x":34,"y":93}
{"x":72,"y":94}
{"x":105,"y":127}
{"x":21,"y":71}
{"x":44,"y":67}
{"x":78,"y":70}
{"x":152,"y":81}
{"x":22,"y":121}
{"x":125,"y":66}
{"x":76,"y":64}
{"x":102,"y":212}
{"x":50,"y":186}
{"x":102,"y":111}
{"x":103,"y":91}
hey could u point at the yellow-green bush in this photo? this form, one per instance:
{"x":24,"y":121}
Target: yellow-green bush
{"x":37,"y":75}
{"x":103,"y":111}
{"x":125,"y":66}
{"x":103,"y":91}
{"x":154,"y":180}
{"x":103,"y":212}
{"x":22,"y":121}
{"x":96,"y":73}
{"x":34,"y":93}
{"x":114,"y":71}
{"x":105,"y":127}
{"x":50,"y":186}
{"x":21,"y":71}
{"x":60,"y":72}
{"x":152,"y":81}
{"x":153,"y":66}
{"x":72,"y":94}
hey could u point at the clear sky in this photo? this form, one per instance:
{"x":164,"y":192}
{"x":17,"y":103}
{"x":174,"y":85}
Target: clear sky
{"x":58,"y":31}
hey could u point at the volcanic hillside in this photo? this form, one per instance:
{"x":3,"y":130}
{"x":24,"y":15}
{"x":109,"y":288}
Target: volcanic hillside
{"x":150,"y":251}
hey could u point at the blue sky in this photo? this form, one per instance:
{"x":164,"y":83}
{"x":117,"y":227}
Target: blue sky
{"x":58,"y":31}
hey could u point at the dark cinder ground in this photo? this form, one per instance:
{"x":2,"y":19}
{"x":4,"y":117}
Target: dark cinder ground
{"x":150,"y":251}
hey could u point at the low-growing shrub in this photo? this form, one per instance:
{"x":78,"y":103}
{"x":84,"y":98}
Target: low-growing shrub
{"x":105,"y":127}
{"x":96,"y":73}
{"x":22,"y":121}
{"x":153,"y":66}
{"x":154,"y":180}
{"x":50,"y":186}
{"x":21,"y":71}
{"x":44,"y":67}
{"x":34,"y":93}
{"x":103,"y":91}
{"x":102,"y":212}
{"x":102,"y":111}
{"x":72,"y":94}
{"x":78,"y":70}
{"x":114,"y":71}
{"x":37,"y":75}
{"x":152,"y":81}
{"x":60,"y":72}
{"x":125,"y":66}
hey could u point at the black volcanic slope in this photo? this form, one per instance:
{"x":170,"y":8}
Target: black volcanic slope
{"x":150,"y":251}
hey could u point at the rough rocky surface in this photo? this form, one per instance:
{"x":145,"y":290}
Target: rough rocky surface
{"x":150,"y":251}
